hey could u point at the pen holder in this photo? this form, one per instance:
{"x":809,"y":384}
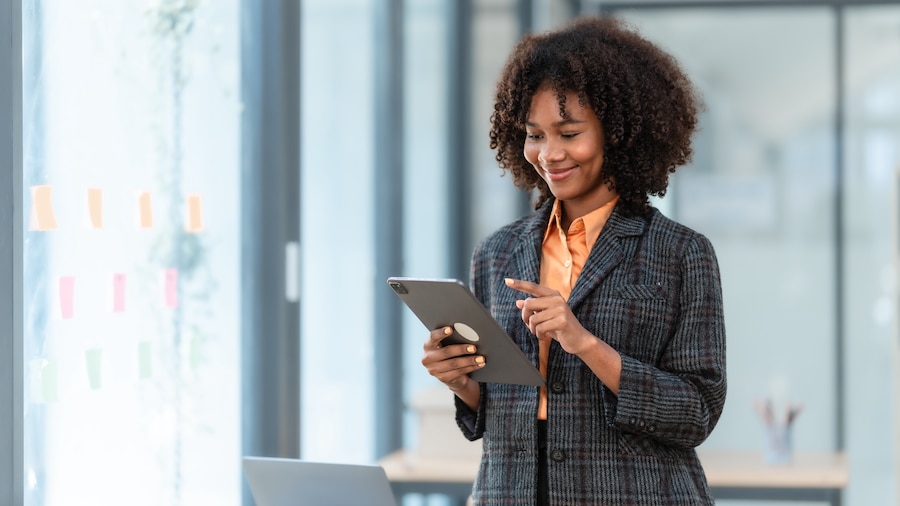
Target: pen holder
{"x":779,"y":449}
{"x":778,"y":445}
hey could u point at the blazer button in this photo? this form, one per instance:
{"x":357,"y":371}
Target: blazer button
{"x":557,"y":387}
{"x":558,"y":455}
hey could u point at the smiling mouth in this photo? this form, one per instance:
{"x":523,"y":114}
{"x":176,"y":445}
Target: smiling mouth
{"x":559,"y":174}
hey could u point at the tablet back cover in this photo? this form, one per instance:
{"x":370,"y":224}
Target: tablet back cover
{"x":449,"y":303}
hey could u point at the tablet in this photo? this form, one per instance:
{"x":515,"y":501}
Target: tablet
{"x":449,"y":303}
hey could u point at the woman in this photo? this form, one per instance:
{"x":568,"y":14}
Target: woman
{"x":619,"y":306}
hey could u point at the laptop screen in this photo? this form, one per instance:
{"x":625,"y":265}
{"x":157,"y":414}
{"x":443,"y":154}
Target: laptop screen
{"x":292,"y":482}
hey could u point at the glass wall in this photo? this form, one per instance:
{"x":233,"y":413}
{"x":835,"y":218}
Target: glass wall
{"x":131,"y":267}
{"x":872,"y":206}
{"x":337,"y":270}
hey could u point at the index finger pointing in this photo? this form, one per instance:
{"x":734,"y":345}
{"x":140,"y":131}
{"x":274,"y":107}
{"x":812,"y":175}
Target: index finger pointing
{"x":528,"y":287}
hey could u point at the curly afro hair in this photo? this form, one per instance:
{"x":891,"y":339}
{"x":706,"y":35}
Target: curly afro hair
{"x":645,"y":102}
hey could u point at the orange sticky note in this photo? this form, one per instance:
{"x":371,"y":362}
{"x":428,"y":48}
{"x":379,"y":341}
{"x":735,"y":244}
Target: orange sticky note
{"x":67,"y":296}
{"x":95,"y":207}
{"x":194,"y":218}
{"x":118,"y":291}
{"x":145,"y":210}
{"x":171,"y":287}
{"x":42,"y":217}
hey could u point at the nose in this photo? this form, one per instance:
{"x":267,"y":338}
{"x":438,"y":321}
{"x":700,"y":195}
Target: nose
{"x":551,"y":152}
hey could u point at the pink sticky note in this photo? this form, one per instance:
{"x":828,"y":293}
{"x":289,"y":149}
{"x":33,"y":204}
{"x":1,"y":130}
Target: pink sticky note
{"x":67,"y":296}
{"x":171,"y":287}
{"x":194,"y":218}
{"x":118,"y":293}
{"x":42,"y":217}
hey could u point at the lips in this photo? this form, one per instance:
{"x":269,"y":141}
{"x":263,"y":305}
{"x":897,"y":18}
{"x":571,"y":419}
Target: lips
{"x":559,"y":174}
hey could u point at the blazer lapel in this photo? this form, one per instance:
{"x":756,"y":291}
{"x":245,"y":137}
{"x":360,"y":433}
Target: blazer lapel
{"x":528,"y":250}
{"x":607,"y":253}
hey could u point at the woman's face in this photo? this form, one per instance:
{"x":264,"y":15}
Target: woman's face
{"x":567,"y":152}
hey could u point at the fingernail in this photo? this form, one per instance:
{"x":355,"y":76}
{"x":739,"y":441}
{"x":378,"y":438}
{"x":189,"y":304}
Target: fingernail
{"x":479,"y":360}
{"x":508,"y":281}
{"x":447,"y":331}
{"x":470,"y":349}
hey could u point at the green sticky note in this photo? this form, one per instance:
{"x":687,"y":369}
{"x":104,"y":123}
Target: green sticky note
{"x":145,"y":363}
{"x":94,"y":358}
{"x":196,"y":351}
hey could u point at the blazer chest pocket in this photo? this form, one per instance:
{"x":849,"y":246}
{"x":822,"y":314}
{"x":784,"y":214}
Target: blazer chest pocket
{"x":638,"y":320}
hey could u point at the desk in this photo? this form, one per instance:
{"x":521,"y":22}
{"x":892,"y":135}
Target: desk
{"x":811,"y":476}
{"x":731,"y":475}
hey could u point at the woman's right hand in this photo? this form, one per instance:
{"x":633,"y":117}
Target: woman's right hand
{"x":451,"y":364}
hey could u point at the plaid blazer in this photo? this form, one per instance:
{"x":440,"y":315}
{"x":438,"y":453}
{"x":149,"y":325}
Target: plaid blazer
{"x":650,"y":287}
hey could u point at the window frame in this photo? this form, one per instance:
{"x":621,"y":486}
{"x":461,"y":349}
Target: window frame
{"x":11,"y":367}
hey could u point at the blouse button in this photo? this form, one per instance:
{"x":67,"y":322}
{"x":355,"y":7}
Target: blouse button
{"x":558,"y":455}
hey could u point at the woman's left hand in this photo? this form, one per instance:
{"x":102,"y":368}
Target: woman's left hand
{"x":548,"y":316}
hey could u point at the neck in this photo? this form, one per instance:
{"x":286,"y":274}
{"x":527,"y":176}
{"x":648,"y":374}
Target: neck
{"x":571,"y":210}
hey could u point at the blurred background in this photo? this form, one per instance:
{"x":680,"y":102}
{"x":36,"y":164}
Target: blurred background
{"x":213,"y":193}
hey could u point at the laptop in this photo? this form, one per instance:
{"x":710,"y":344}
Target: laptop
{"x":292,"y":482}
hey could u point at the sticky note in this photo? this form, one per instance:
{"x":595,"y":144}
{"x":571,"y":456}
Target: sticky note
{"x":42,"y":217}
{"x":67,"y":296}
{"x":93,"y":357}
{"x":145,"y":362}
{"x":95,"y":207}
{"x":196,"y":351}
{"x":145,"y":210}
{"x":170,"y":288}
{"x":50,"y":378}
{"x":43,"y":380}
{"x":118,"y":293}
{"x":194,"y":218}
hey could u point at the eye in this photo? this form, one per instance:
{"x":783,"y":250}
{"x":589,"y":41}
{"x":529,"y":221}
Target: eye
{"x":570,"y":135}
{"x":532,"y":137}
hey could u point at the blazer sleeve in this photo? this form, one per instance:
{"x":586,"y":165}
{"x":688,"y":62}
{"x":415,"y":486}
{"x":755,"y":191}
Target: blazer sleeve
{"x":471,"y":422}
{"x":680,"y":399}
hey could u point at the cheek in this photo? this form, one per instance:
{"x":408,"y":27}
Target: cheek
{"x":587,"y":154}
{"x":531,"y":154}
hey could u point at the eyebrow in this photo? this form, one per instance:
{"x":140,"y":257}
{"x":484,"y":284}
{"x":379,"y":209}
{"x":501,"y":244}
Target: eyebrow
{"x":557,"y":124}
